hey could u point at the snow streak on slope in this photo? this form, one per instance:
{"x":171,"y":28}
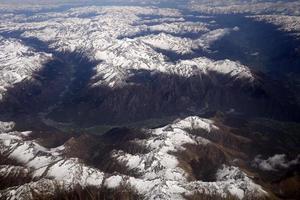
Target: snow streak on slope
{"x":180,"y":27}
{"x":161,"y":177}
{"x":169,"y":42}
{"x":135,"y":54}
{"x":102,"y":32}
{"x":182,"y":45}
{"x":48,"y":162}
{"x":240,"y":6}
{"x":18,"y":62}
{"x":274,"y":163}
{"x":290,"y":24}
{"x":161,"y":174}
{"x":281,"y":13}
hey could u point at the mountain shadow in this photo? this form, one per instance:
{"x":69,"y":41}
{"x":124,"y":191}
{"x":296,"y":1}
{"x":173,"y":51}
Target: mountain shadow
{"x":61,"y":91}
{"x":149,"y":95}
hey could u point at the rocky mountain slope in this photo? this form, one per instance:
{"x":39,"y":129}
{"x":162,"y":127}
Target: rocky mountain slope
{"x":126,"y":54}
{"x":128,"y":102}
{"x":189,"y":156}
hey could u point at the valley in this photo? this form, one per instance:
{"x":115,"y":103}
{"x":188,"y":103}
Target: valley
{"x":167,"y":101}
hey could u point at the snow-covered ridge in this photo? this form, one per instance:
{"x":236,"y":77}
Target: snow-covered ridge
{"x":119,"y":59}
{"x":18,"y":62}
{"x":204,"y":66}
{"x":180,"y":27}
{"x":149,"y":20}
{"x":6,"y":126}
{"x":169,"y":42}
{"x":132,"y":59}
{"x":104,"y":36}
{"x":126,"y":40}
{"x":161,"y":175}
{"x":274,"y":163}
{"x":239,"y":6}
{"x":212,"y":36}
{"x":48,"y":163}
{"x":286,"y":23}
{"x":17,"y":6}
{"x":182,"y":45}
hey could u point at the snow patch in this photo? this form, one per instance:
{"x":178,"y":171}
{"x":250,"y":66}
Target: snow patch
{"x":274,"y":163}
{"x":113,"y":181}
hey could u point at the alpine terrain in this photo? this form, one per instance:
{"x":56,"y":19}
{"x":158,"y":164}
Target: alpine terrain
{"x":140,"y":99}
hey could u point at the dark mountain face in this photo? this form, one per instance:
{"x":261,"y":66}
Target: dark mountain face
{"x":159,"y":133}
{"x":62,"y":89}
{"x":236,"y":142}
